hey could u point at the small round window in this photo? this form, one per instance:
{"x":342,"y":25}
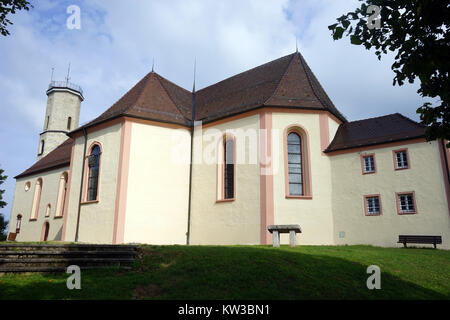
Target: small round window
{"x":27,"y":185}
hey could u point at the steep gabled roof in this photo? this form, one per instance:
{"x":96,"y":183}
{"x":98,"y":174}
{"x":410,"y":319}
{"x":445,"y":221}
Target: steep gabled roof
{"x":153,"y":97}
{"x":284,"y":82}
{"x":385,"y":129}
{"x":58,"y":158}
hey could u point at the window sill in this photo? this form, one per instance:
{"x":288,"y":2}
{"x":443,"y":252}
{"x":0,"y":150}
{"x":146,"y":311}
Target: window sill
{"x":398,"y":169}
{"x":371,"y":172}
{"x":373,"y":215}
{"x":225,"y":200}
{"x":299,"y":197}
{"x":57,"y":217}
{"x":33,"y":219}
{"x":406,"y":213}
{"x":90,"y":202}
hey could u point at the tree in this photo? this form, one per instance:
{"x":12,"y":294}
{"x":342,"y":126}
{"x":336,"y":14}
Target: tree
{"x":418,"y":31}
{"x":10,"y":7}
{"x":3,"y":223}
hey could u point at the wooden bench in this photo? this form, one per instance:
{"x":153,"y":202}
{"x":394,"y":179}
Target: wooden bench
{"x":419,"y":239}
{"x":292,"y":229}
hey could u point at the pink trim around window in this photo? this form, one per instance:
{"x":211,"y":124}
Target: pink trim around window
{"x":306,"y":177}
{"x":221,"y":167}
{"x":395,"y":158}
{"x":86,"y":174}
{"x":35,"y":214}
{"x":366,"y":210}
{"x":397,"y":200}
{"x":363,"y":156}
{"x":59,"y":210}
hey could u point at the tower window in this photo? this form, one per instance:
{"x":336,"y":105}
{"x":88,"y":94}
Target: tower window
{"x":41,"y":149}
{"x":48,"y":120}
{"x":69,"y":123}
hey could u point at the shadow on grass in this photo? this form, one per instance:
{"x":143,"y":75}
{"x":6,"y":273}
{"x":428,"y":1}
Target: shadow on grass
{"x":208,"y":272}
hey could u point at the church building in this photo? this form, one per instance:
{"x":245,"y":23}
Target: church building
{"x":217,"y":166}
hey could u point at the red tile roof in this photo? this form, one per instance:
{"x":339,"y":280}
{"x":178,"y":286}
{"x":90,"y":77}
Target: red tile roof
{"x":285,"y":82}
{"x":58,"y":158}
{"x":389,"y":128}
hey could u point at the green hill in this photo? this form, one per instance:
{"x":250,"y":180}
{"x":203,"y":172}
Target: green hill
{"x":252,"y":272}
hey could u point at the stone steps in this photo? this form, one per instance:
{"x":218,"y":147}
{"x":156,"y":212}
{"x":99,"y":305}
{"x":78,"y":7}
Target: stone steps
{"x":19,"y":258}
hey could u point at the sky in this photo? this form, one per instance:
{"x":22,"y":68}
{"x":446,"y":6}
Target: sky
{"x":120,"y":40}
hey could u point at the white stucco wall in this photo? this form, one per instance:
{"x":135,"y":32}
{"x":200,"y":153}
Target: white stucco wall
{"x":96,"y":218}
{"x":424,"y":178}
{"x":313,"y":215}
{"x":22,"y":204}
{"x":158,"y":185}
{"x":238,"y":221}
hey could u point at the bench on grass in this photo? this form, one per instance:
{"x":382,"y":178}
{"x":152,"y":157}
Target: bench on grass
{"x":420,"y":239}
{"x":292,"y":229}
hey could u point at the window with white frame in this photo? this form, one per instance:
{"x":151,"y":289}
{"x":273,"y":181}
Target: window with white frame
{"x":369,"y":164}
{"x":406,"y":203}
{"x":401,"y":158}
{"x":373,"y":205}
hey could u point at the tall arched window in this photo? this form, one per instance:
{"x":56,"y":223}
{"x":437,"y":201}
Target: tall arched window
{"x":18,"y":223}
{"x":36,"y":199}
{"x":62,"y":193}
{"x":48,"y":210}
{"x":297,"y":163}
{"x":295,"y":170}
{"x":94,"y":166}
{"x":228,"y":173}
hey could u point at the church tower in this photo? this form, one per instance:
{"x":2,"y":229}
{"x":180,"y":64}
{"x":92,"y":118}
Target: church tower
{"x":62,"y":114}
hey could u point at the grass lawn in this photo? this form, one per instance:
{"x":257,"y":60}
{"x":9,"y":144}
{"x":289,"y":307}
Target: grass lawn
{"x":251,"y":272}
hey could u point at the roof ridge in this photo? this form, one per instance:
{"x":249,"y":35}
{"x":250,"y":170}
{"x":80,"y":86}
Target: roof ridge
{"x":411,"y":120}
{"x":213,"y":84}
{"x":281,"y":78}
{"x":170,"y":96}
{"x":138,"y":96}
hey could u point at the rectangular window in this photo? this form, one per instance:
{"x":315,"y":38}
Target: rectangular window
{"x":372,"y":205}
{"x":69,"y":123}
{"x":368,"y":163}
{"x":401,"y":160}
{"x":406,"y":203}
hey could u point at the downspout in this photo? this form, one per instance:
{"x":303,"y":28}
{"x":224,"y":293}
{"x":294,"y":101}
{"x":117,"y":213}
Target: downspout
{"x":81,"y":184}
{"x":188,"y":233}
{"x":444,"y":149}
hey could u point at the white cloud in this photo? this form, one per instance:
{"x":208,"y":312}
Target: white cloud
{"x":118,"y":41}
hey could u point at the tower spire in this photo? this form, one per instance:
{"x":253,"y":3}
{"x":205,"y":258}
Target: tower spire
{"x":68,"y":75}
{"x":296,"y":44}
{"x":195,"y":67}
{"x":153,"y":64}
{"x":51,"y":77}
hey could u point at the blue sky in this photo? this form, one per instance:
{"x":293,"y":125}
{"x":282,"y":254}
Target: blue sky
{"x":118,"y":41}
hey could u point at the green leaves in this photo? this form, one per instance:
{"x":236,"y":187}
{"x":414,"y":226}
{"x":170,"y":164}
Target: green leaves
{"x":419,"y":33}
{"x":355,"y":40}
